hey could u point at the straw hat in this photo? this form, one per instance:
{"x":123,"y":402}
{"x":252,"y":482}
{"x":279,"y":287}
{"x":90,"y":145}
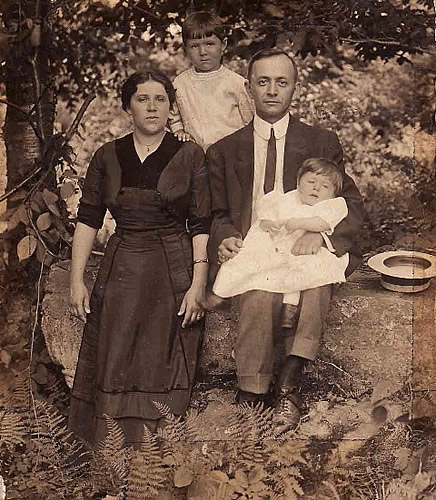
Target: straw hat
{"x":404,"y":270}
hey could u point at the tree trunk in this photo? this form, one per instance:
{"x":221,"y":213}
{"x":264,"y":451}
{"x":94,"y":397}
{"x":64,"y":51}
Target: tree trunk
{"x":29,"y":119}
{"x":28,"y":89}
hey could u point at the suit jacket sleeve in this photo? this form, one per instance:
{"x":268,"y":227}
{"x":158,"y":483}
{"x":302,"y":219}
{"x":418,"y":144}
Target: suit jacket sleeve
{"x":222,"y":225}
{"x":347,"y":231}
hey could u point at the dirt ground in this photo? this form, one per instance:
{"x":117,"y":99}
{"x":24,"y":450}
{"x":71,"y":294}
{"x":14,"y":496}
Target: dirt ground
{"x":360,"y":440}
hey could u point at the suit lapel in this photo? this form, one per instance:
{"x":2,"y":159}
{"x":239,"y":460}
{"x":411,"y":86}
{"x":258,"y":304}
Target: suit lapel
{"x":244,"y":169}
{"x":295,"y":154}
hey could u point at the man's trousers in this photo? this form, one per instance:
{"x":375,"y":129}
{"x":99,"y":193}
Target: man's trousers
{"x":260,"y":328}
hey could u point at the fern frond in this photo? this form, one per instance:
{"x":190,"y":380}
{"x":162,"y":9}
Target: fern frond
{"x":286,"y":453}
{"x":252,"y":453}
{"x":163,"y":409}
{"x":175,"y":428}
{"x":67,"y":459}
{"x":112,"y":449}
{"x":114,"y":441}
{"x":147,"y":472}
{"x":12,"y":429}
{"x":19,"y":396}
{"x":285,"y":481}
{"x":238,"y":427}
{"x":56,"y":392}
{"x":194,"y":425}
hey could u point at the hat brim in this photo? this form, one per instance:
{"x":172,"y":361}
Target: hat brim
{"x":406,"y":264}
{"x":404,"y":270}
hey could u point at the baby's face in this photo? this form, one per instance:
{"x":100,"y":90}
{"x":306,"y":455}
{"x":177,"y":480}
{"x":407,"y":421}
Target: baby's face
{"x":314,"y":188}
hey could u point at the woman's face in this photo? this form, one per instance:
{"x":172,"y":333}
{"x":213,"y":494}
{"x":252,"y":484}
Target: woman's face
{"x":149,"y":107}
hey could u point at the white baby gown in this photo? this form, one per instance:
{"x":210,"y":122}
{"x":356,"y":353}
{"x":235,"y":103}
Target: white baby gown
{"x":267,"y":263}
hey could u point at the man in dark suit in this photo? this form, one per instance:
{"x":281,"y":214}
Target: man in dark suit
{"x":263,"y":156}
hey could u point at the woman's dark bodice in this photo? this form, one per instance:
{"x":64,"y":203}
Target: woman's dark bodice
{"x":167,"y":190}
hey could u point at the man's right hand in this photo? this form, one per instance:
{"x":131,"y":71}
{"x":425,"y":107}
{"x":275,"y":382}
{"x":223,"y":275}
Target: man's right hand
{"x":229,"y":248}
{"x":79,"y":300}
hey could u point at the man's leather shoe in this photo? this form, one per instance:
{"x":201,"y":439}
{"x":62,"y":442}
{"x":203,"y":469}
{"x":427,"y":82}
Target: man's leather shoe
{"x":287,"y":412}
{"x":249,"y":397}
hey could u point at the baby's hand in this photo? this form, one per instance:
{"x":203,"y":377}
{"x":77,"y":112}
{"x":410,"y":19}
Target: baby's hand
{"x":291,"y":224}
{"x":270,"y":226}
{"x":182,"y":135}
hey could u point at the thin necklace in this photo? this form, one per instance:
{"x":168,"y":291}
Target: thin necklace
{"x":149,"y":146}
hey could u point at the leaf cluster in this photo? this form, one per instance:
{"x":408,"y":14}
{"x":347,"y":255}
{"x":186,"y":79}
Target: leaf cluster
{"x":109,"y":33}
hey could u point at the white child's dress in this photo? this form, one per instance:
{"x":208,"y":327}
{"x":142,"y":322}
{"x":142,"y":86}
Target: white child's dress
{"x":266,"y":262}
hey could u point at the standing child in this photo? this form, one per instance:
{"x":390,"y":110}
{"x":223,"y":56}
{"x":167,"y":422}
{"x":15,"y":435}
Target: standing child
{"x":266,"y":262}
{"x":211,"y":100}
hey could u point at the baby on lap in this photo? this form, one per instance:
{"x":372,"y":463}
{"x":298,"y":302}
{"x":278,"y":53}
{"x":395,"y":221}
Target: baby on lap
{"x":266,"y":262}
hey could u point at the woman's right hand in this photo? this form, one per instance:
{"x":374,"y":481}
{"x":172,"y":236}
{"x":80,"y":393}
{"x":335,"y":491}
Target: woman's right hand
{"x":79,"y":300}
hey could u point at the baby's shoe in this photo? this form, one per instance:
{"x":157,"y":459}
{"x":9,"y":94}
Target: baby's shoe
{"x":289,"y":316}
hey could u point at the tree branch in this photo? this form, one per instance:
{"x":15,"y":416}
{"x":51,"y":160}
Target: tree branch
{"x":15,"y":106}
{"x":372,"y":40}
{"x":67,"y":137}
{"x":37,"y":93}
{"x":73,"y":127}
{"x":20,"y":185}
{"x":140,"y":9}
{"x":27,"y":115}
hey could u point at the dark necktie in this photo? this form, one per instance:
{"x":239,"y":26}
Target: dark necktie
{"x":270,"y":165}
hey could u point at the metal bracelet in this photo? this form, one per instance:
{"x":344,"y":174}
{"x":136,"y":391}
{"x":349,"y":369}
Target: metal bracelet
{"x":201,"y":261}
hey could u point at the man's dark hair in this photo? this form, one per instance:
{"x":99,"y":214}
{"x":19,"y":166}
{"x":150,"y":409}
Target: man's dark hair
{"x":202,"y":24}
{"x":130,"y":86}
{"x":266,"y":54}
{"x":323,"y":166}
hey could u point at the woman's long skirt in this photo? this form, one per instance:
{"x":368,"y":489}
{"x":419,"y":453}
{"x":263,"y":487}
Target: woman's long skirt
{"x":134,"y":351}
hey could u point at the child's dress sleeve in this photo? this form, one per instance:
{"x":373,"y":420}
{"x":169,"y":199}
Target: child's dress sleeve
{"x":175,"y":121}
{"x":245,"y":105}
{"x":331,"y":211}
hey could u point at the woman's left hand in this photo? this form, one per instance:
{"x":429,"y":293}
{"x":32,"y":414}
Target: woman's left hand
{"x":192,"y":305}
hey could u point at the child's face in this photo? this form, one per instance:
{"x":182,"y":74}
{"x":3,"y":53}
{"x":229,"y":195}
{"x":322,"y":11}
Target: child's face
{"x":314,"y":188}
{"x":205,"y":53}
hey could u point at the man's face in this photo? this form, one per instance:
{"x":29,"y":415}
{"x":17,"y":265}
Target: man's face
{"x":271,"y":86}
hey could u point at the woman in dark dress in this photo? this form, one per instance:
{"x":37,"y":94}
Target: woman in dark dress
{"x":144,"y":320}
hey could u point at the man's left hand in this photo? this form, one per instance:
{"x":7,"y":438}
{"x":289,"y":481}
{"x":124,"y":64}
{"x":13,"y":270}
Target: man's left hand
{"x":308,"y":244}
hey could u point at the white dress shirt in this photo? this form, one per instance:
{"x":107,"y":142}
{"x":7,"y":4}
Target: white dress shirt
{"x":262,"y":133}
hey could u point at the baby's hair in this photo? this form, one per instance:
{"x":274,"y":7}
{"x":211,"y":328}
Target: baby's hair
{"x":323,"y":166}
{"x":202,"y":24}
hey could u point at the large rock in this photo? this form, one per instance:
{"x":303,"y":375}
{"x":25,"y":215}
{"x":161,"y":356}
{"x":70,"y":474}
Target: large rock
{"x":369,"y":330}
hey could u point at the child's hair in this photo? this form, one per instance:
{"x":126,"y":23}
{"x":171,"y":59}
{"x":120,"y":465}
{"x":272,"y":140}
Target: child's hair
{"x":323,"y":166}
{"x":202,"y":24}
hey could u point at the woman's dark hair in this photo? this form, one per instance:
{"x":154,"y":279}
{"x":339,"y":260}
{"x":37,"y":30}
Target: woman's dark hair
{"x":130,"y":86}
{"x":323,"y":166}
{"x":202,"y":24}
{"x":266,"y":54}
